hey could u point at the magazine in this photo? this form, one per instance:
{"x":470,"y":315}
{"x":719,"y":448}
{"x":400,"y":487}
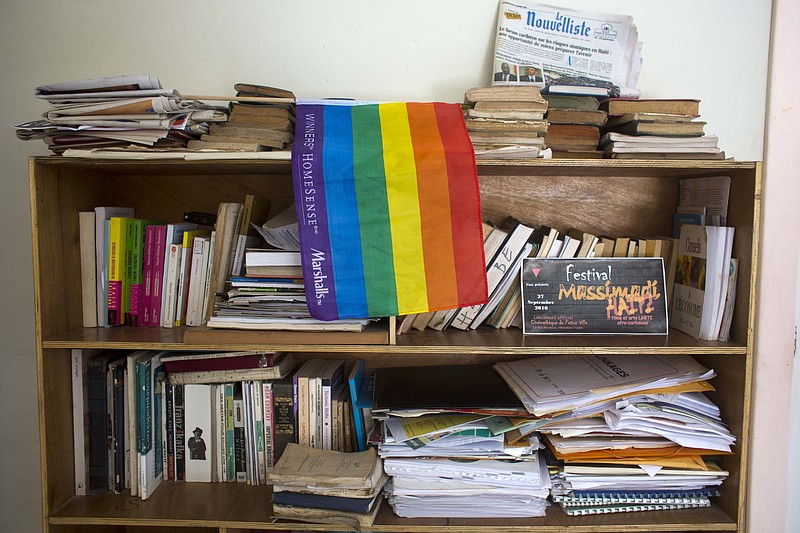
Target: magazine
{"x":566,"y":51}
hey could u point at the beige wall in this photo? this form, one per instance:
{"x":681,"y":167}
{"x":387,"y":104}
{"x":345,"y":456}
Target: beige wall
{"x":414,"y":50}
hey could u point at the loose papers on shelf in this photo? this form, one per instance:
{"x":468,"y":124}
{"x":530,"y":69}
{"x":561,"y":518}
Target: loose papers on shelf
{"x":556,"y":383}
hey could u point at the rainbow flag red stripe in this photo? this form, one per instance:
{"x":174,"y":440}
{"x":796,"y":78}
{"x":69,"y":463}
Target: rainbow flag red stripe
{"x":388,"y":207}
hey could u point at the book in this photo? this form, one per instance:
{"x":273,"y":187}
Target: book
{"x":239,"y":441}
{"x":730,"y":301}
{"x":678,"y":129}
{"x":198,"y":419}
{"x":509,"y":250}
{"x":572,"y":137}
{"x":576,"y":116}
{"x":145,"y":299}
{"x":619,"y":120}
{"x":630,"y":508}
{"x":184,"y":274}
{"x":331,"y":378}
{"x":155,"y":283}
{"x":103,"y":214}
{"x":497,"y":124}
{"x":703,"y":263}
{"x":457,"y":388}
{"x":505,"y":114}
{"x":351,"y":520}
{"x":99,"y":430}
{"x":255,"y":210}
{"x":150,"y":374}
{"x":674,"y":106}
{"x":208,"y":361}
{"x":283,"y":409}
{"x":254,"y":89}
{"x":88,"y":247}
{"x":278,"y":371}
{"x":574,"y":102}
{"x":201,"y":249}
{"x":506,"y":93}
{"x":173,"y":240}
{"x":132,"y":385}
{"x":505,"y":137}
{"x":268,"y":414}
{"x":117,"y":377}
{"x":327,"y":472}
{"x":361,"y":389}
{"x":264,"y":110}
{"x":301,"y":384}
{"x":180,"y":431}
{"x":227,"y":236}
{"x":117,"y":238}
{"x":242,"y":146}
{"x":81,"y":417}
{"x":134,"y":269}
{"x":321,"y":501}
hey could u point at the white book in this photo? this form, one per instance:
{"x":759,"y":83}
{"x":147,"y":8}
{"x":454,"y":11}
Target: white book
{"x":101,"y":256}
{"x":130,"y":386}
{"x":502,"y":261}
{"x":258,"y":431}
{"x":197,"y":279}
{"x":174,"y":237}
{"x":171,"y":275}
{"x":149,"y":444}
{"x":199,"y":430}
{"x":207,"y":289}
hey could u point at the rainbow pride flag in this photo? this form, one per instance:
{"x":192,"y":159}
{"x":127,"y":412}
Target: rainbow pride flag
{"x":388,"y":207}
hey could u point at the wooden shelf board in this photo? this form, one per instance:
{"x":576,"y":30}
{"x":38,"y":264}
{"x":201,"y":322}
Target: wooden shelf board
{"x":481,"y":340}
{"x":235,"y":505}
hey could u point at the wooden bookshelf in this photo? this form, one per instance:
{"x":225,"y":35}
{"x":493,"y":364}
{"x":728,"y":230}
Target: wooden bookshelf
{"x":600,"y":196}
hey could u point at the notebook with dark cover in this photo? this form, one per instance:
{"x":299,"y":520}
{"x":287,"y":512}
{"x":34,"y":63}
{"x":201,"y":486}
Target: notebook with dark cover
{"x":464,"y":388}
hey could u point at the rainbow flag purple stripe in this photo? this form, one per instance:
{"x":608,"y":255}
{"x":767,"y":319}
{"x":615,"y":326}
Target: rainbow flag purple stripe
{"x":388,"y":207}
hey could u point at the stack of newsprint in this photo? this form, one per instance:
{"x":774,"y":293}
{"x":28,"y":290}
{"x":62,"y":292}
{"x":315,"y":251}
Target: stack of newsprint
{"x":325,"y":486}
{"x":117,"y":111}
{"x":624,"y":432}
{"x":446,"y":448}
{"x":566,"y":51}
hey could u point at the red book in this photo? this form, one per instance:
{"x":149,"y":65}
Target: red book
{"x":206,"y":362}
{"x":157,"y":285}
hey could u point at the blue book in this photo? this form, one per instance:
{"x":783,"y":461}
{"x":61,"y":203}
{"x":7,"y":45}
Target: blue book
{"x":319,"y":501}
{"x":361,"y":387}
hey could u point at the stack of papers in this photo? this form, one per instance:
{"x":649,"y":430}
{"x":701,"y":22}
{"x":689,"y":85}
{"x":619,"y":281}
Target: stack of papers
{"x":455,"y":488}
{"x":444,"y":440}
{"x":117,"y":111}
{"x":623,"y":423}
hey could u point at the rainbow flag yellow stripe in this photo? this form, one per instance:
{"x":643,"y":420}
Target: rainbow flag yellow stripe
{"x":388,"y":207}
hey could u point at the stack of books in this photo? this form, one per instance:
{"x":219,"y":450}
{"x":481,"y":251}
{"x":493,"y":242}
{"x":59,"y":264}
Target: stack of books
{"x":262,"y":120}
{"x":637,"y":423}
{"x":506,"y":121}
{"x":324,"y":486}
{"x":573,"y":126}
{"x":656,"y":129}
{"x":118,"y":111}
{"x":455,"y":460}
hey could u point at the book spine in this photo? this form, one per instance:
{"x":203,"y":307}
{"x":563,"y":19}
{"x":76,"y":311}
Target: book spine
{"x":199,"y":258}
{"x":147,"y":277}
{"x":132,"y":282}
{"x":180,"y":432}
{"x":144,"y":406}
{"x":268,"y":401}
{"x":169,"y":424}
{"x":119,"y":406}
{"x":158,"y":275}
{"x":239,"y":439}
{"x":79,"y":421}
{"x":220,"y":434}
{"x":207,"y":289}
{"x":230,"y":455}
{"x":171,"y":286}
{"x":86,"y":222}
{"x":98,"y":425}
{"x":183,"y":285}
{"x":117,"y":235}
{"x":259,"y":431}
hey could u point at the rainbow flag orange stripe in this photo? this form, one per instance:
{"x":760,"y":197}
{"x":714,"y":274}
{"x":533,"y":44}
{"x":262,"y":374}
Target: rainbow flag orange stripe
{"x":388,"y":207}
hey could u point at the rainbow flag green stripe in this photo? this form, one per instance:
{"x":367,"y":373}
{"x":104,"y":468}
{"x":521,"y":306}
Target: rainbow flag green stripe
{"x":388,"y":208}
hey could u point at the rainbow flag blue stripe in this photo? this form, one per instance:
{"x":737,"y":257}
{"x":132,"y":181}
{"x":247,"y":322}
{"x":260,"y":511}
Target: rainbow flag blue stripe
{"x":388,"y":207}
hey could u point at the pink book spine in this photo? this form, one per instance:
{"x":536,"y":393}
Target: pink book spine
{"x":159,"y":242}
{"x":147,"y":276}
{"x":114,"y":303}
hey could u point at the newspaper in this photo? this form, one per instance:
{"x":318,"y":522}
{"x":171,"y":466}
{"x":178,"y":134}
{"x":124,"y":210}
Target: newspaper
{"x":559,"y":48}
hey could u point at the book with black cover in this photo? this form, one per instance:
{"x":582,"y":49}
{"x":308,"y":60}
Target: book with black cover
{"x":283,"y":414}
{"x":320,"y":501}
{"x":99,"y":429}
{"x":462,"y":388}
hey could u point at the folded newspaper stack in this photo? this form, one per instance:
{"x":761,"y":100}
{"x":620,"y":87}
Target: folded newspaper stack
{"x":566,"y":51}
{"x":117,"y":111}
